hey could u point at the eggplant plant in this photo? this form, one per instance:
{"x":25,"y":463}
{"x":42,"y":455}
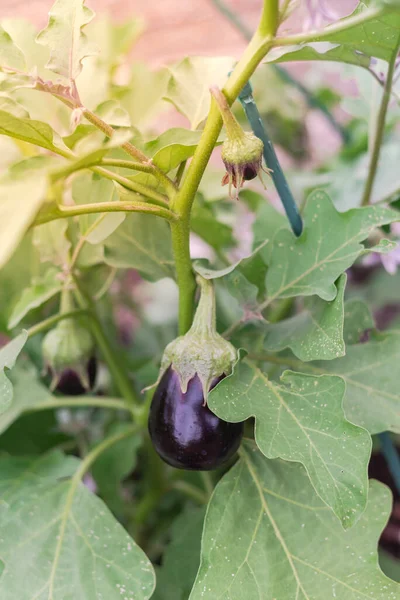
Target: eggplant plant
{"x":197,"y":380}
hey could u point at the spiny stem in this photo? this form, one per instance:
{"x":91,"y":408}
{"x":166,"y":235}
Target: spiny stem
{"x":379,"y":131}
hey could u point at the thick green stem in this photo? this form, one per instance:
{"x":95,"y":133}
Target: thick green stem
{"x":379,"y":132}
{"x":269,"y":18}
{"x":204,"y":322}
{"x":180,"y":231}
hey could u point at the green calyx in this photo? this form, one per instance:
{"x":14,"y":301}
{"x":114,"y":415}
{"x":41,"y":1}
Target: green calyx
{"x":201,"y":351}
{"x":68,"y":346}
{"x":245,"y":151}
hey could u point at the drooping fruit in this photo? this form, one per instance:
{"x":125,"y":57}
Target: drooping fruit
{"x":184,"y":431}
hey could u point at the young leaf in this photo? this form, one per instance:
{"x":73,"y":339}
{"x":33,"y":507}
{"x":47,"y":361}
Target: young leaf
{"x":41,"y":290}
{"x":329,"y":244}
{"x":316,"y":333}
{"x":8,"y":355}
{"x":28,"y":130}
{"x":267,"y":535}
{"x":69,"y":537}
{"x":142,"y":242}
{"x":188,"y":87}
{"x":181,"y":559}
{"x":11,"y":56}
{"x":20,"y":200}
{"x":301,"y":419}
{"x":52,"y":242}
{"x":65,"y":39}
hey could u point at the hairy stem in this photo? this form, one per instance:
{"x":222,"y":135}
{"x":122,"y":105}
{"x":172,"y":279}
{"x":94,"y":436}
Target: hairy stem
{"x":269,"y":20}
{"x":379,"y":132}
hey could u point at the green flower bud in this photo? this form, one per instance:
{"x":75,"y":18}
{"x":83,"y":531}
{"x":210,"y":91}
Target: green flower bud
{"x":242,"y":151}
{"x":201,"y":351}
{"x":68,"y":348}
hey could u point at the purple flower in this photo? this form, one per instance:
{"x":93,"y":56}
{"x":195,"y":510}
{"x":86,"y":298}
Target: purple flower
{"x":318,"y":13}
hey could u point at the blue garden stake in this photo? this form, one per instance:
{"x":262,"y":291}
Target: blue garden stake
{"x":392,"y":457}
{"x":279,"y":179}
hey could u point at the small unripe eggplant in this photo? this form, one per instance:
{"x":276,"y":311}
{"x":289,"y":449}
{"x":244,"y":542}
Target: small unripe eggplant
{"x":184,"y":431}
{"x":68,"y":355}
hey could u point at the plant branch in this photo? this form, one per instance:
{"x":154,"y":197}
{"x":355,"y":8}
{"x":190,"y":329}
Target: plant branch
{"x":47,"y":323}
{"x":379,"y":131}
{"x":134,"y":186}
{"x":269,"y":20}
{"x":61,"y":212}
{"x":83,"y":401}
{"x":190,"y":490}
{"x":327,"y":32}
{"x":132,"y":151}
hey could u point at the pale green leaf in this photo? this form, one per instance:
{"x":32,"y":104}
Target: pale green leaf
{"x":324,"y":50}
{"x":8,"y":355}
{"x":316,"y":333}
{"x":181,"y":559}
{"x":20,"y":200}
{"x":63,"y":540}
{"x":301,"y":419}
{"x":11,"y":56}
{"x":28,"y":130}
{"x":205,"y":224}
{"x":268,"y":536}
{"x":142,"y":242}
{"x":52,"y":243}
{"x":370,"y":371}
{"x":64,"y":37}
{"x":42,"y":289}
{"x":329,"y":244}
{"x":189,"y":85}
{"x":28,"y":392}
{"x":10,"y":106}
{"x":357,"y":319}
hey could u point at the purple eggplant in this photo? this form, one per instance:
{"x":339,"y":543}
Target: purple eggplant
{"x":184,"y":431}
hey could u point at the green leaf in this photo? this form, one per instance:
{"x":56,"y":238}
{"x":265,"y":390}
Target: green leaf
{"x":301,"y":419}
{"x":8,"y":355}
{"x":10,"y":55}
{"x":389,"y":565}
{"x":41,"y":290}
{"x":67,"y":536}
{"x":20,"y":200}
{"x":181,"y":559}
{"x":357,"y":318}
{"x":113,"y":466}
{"x":28,"y":392}
{"x":142,"y":242}
{"x":370,"y":371}
{"x":268,"y":536}
{"x":206,"y":225}
{"x":316,"y":333}
{"x":28,"y":130}
{"x":52,"y":243}
{"x":377,"y":35}
{"x":329,"y":244}
{"x":65,"y":39}
{"x":189,"y":85}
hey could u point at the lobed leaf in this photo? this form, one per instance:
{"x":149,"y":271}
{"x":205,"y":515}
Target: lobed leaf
{"x":301,"y":419}
{"x":66,"y":535}
{"x":67,"y":43}
{"x":267,"y":535}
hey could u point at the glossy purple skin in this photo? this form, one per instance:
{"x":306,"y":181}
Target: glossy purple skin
{"x":70,"y":383}
{"x":186,"y":434}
